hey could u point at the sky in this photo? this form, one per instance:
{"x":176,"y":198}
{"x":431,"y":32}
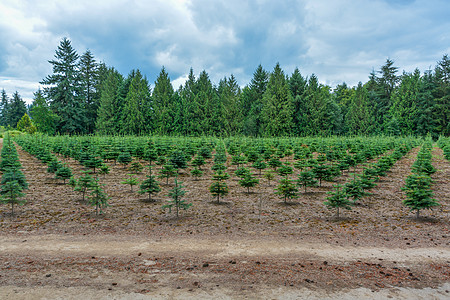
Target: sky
{"x":338,"y":40}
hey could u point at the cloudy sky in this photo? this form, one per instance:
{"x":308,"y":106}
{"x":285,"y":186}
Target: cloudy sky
{"x":338,"y":40}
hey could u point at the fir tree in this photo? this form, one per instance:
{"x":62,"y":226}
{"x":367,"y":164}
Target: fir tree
{"x":63,"y":89}
{"x":176,"y":194}
{"x":150,"y":186}
{"x":338,"y":199}
{"x":287,"y":189}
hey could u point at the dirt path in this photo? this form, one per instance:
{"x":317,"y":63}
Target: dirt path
{"x":124,"y":267}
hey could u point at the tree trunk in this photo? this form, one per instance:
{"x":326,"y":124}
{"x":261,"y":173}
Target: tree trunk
{"x":417,"y":213}
{"x":337,"y":212}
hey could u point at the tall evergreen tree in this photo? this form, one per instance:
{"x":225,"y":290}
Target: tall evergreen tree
{"x":230,"y":104}
{"x":252,"y":101}
{"x":4,"y":109}
{"x":405,"y":101}
{"x":442,"y":96}
{"x":109,"y":106}
{"x":163,"y":104}
{"x":297,"y":85}
{"x":277,"y":110}
{"x":425,"y":106}
{"x":136,"y":112}
{"x":358,"y":118}
{"x":88,"y":80}
{"x":63,"y":89}
{"x":16,"y":109}
{"x":44,"y":119}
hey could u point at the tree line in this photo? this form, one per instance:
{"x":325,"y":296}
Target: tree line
{"x":83,"y":96}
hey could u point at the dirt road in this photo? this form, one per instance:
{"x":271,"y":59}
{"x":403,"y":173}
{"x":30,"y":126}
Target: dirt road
{"x":139,"y":267}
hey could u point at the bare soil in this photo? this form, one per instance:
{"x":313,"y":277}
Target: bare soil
{"x":248,"y":246}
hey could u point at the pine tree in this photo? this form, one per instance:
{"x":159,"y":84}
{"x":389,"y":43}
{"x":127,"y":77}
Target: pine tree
{"x":338,"y":200}
{"x":98,"y":197}
{"x":306,"y":178}
{"x":131,"y":180}
{"x":287,"y":189}
{"x":176,"y":194}
{"x":44,"y":119}
{"x":26,"y":125}
{"x":163,"y":104}
{"x":418,"y":193}
{"x":16,"y":109}
{"x":84,"y":183}
{"x":150,"y":186}
{"x":137,"y":117}
{"x":63,"y":89}
{"x":277,"y":111}
{"x":219,"y":187}
{"x":12,"y":194}
{"x":252,"y":102}
{"x":248,"y":181}
{"x":63,"y":173}
{"x":109,"y":110}
{"x":4,"y":107}
{"x":89,"y":78}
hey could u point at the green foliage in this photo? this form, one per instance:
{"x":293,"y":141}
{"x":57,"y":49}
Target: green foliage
{"x":338,"y":199}
{"x":197,"y":173}
{"x":418,"y":193}
{"x":98,"y":197}
{"x":124,"y":158}
{"x":131,"y":180}
{"x":26,"y":125}
{"x":150,"y":186}
{"x":12,"y":194}
{"x":167,"y":171}
{"x":83,"y":184}
{"x":287,"y":189}
{"x":219,"y":187}
{"x":248,"y":181}
{"x":306,"y":178}
{"x":269,"y":175}
{"x":64,"y":173}
{"x":176,"y":194}
{"x":136,"y":167}
{"x":260,"y":165}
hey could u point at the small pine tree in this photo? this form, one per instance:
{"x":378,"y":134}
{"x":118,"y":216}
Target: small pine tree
{"x":150,"y":186}
{"x":167,"y":171}
{"x":197,"y":173}
{"x":418,"y":193}
{"x":287,"y":189}
{"x":103,"y":170}
{"x":63,"y":173}
{"x":260,"y":165}
{"x":248,"y":181}
{"x":135,"y":167}
{"x":124,"y":158}
{"x":269,"y":176}
{"x":176,"y":194}
{"x":285,"y":170}
{"x":338,"y":199}
{"x":131,"y":180}
{"x":84,"y":183}
{"x":198,"y":161}
{"x":306,"y":178}
{"x":11,"y":194}
{"x":98,"y":197}
{"x":219,"y":186}
{"x":241,"y":172}
{"x":354,"y":190}
{"x":54,"y":165}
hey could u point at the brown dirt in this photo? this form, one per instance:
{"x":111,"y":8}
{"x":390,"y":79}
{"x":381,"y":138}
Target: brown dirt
{"x":57,"y":245}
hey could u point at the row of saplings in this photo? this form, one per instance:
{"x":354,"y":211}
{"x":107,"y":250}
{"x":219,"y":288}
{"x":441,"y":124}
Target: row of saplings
{"x":13,"y":181}
{"x":418,"y":184}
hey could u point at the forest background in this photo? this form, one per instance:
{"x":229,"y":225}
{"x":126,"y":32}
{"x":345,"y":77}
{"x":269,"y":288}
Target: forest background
{"x":83,"y":96}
